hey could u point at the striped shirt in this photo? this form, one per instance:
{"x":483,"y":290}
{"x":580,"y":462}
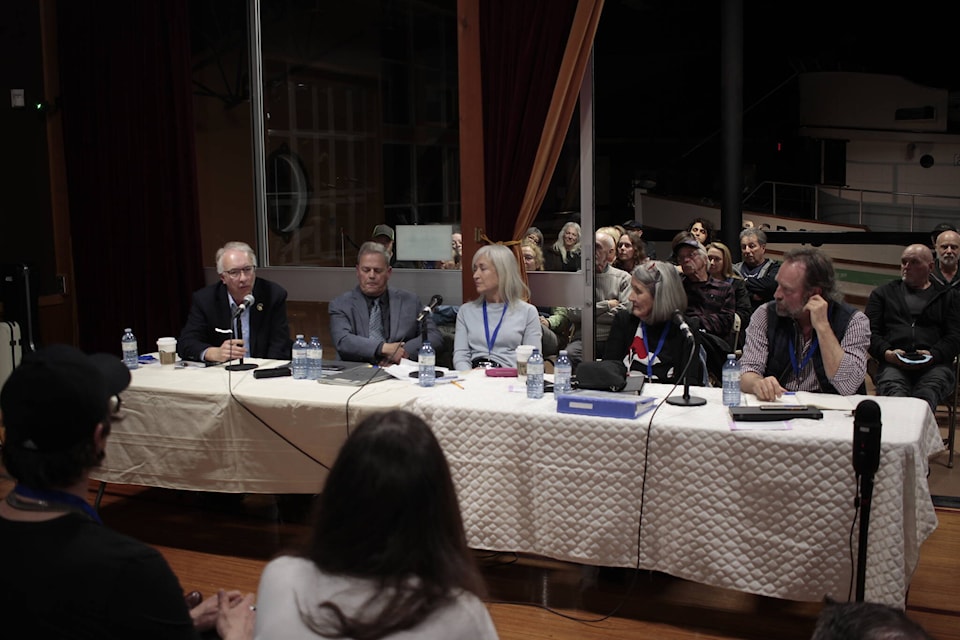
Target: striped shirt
{"x":850,"y":374}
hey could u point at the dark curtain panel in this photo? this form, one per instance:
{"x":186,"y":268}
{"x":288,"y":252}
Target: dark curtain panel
{"x":521,"y":50}
{"x":131,"y":167}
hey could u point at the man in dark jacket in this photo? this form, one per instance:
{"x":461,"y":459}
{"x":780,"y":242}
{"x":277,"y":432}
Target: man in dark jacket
{"x":263,"y":332}
{"x":915,"y":331}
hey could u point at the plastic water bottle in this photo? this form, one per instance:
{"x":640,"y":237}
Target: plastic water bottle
{"x":300,"y":358}
{"x":314,"y":359}
{"x":535,"y":375}
{"x":731,"y":381}
{"x":561,"y":373}
{"x":427,"y":361}
{"x":128,"y":343}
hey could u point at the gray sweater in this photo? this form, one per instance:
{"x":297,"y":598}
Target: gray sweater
{"x":521,"y":325}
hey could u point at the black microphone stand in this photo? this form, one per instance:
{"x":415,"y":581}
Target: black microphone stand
{"x":687,"y":400}
{"x":866,"y":497}
{"x":237,"y":332}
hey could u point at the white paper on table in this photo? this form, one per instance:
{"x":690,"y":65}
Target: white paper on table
{"x":828,"y":401}
{"x":764,"y":425}
{"x":403,"y":369}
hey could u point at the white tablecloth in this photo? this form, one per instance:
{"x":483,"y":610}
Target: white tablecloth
{"x":214,"y":430}
{"x":767,"y":512}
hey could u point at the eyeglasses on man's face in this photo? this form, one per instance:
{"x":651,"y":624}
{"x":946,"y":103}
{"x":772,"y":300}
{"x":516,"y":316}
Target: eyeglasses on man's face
{"x":236,"y":273}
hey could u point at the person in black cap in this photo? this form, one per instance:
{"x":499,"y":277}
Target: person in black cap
{"x":56,"y":411}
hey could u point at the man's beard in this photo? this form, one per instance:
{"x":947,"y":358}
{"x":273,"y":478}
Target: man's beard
{"x":784,"y":312}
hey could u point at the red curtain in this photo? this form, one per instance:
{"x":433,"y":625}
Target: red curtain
{"x":126,"y":97}
{"x":521,"y":50}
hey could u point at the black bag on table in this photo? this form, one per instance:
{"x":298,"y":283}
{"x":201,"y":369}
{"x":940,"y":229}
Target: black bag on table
{"x":605,"y":375}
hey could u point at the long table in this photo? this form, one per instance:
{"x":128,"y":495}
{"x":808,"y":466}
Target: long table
{"x":767,"y":512}
{"x":208,"y":429}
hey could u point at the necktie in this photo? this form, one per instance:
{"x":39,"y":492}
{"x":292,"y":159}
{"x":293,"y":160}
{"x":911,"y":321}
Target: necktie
{"x":376,"y":322}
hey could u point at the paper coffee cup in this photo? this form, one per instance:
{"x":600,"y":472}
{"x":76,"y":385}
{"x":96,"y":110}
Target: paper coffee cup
{"x":167,"y":347}
{"x":523,"y":354}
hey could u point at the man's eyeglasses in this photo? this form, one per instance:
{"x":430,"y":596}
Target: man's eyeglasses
{"x":235,"y":273}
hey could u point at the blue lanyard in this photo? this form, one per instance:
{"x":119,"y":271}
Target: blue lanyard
{"x":797,"y":368}
{"x":653,"y":356}
{"x":486,"y":326}
{"x":69,"y":501}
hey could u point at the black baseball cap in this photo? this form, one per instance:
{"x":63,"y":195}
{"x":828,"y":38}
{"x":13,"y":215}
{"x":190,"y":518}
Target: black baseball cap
{"x":58,"y":395}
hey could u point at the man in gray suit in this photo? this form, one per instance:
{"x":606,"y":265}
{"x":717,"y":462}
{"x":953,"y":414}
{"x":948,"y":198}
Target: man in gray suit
{"x":376,"y":323}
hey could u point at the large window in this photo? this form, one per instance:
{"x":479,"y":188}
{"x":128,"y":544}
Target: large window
{"x":359,"y":121}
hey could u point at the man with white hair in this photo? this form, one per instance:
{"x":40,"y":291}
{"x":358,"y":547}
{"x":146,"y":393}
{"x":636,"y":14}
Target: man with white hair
{"x":945,"y":271}
{"x":611,"y":291}
{"x":208,"y":332}
{"x":711,"y":301}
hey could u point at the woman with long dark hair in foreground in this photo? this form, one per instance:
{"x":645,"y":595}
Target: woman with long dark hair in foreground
{"x":388,"y":556}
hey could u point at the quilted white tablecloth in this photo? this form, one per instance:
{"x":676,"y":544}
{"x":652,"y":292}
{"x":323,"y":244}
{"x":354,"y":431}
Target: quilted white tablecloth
{"x":767,"y":512}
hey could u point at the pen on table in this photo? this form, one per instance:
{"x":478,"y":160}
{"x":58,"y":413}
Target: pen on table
{"x":456,"y":384}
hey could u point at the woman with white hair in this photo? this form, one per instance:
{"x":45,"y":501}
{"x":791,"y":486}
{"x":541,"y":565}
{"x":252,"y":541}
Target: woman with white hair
{"x":564,"y":255}
{"x":644,"y":336}
{"x":490,"y":328}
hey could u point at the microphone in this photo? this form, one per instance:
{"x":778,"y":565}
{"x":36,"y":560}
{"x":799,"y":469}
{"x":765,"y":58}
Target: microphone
{"x":434,"y":301}
{"x":680,"y":322}
{"x":247,"y":302}
{"x":866,"y":438}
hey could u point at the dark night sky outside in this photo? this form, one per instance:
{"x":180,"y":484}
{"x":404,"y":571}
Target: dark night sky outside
{"x":657,"y":78}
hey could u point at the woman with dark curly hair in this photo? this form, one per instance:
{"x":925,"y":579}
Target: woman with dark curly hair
{"x":702,"y":230}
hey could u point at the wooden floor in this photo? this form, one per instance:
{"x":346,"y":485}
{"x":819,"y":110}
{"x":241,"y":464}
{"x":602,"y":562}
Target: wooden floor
{"x":530,"y":598}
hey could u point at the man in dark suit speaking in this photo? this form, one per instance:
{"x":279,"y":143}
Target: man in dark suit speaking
{"x":208,"y":333}
{"x":376,"y":323}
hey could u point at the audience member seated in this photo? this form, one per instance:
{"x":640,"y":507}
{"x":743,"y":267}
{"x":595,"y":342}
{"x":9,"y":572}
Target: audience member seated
{"x":759,"y":272}
{"x":644,"y":336}
{"x":374,"y":322}
{"x":66,"y":575}
{"x":630,"y":251}
{"x":912,"y":316}
{"x":702,"y":230}
{"x":533,"y":261}
{"x":611,"y":293}
{"x":720,"y":267}
{"x":649,"y":247}
{"x":535,"y":236}
{"x":387,"y":556}
{"x":383,"y":234}
{"x":491,"y":327}
{"x":948,"y":250}
{"x":831,"y":356}
{"x":264,"y":332}
{"x":937,"y":230}
{"x":564,"y":255}
{"x":709,"y":300}
{"x":456,"y":246}
{"x":865,"y":621}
